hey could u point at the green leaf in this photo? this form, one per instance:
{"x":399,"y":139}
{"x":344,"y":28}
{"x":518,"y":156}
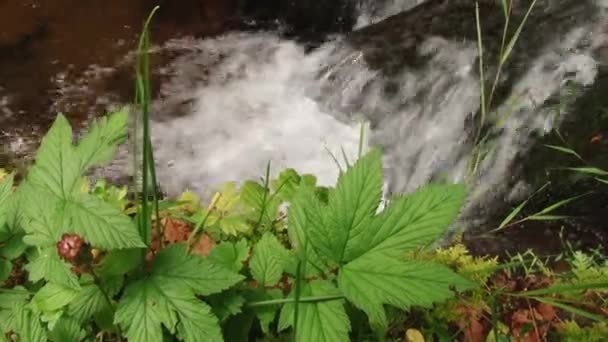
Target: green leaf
{"x":57,"y":167}
{"x":17,"y":296}
{"x":67,"y":329}
{"x":375,"y":279}
{"x":6,"y":189}
{"x":50,"y":267}
{"x":149,"y":303}
{"x":88,"y":302}
{"x":411,"y":221}
{"x":26,"y":325}
{"x":230,"y":255}
{"x":52,"y":297}
{"x":13,"y":247}
{"x":226,"y":304}
{"x":303,"y":212}
{"x":167,"y":297}
{"x":174,"y":265}
{"x":120,"y":261}
{"x":99,"y":145}
{"x":325,"y":321}
{"x":266,"y":314}
{"x":140,"y":314}
{"x":43,"y":215}
{"x":102,"y":224}
{"x":269,"y":260}
{"x":352,"y":205}
{"x":6,"y":267}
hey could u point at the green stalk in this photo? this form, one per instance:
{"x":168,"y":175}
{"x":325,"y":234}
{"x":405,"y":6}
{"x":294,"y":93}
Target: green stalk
{"x":317,"y":299}
{"x":142,"y":93}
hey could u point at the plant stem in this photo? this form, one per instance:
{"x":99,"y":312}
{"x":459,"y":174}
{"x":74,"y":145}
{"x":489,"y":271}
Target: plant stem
{"x":108,"y":299}
{"x":317,"y":299}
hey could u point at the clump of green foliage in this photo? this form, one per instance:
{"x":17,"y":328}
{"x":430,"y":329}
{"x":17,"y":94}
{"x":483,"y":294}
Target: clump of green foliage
{"x":86,"y":275}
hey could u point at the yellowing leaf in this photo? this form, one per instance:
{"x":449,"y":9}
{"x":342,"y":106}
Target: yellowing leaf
{"x":413,"y":335}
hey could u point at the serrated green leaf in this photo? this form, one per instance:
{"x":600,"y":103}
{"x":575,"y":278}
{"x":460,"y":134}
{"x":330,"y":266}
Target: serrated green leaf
{"x":26,"y":325}
{"x":120,"y":261}
{"x":139,"y":314}
{"x":303,"y":212}
{"x":167,"y":297}
{"x":13,"y":247}
{"x":99,"y":145}
{"x":325,"y":321}
{"x":52,"y":297}
{"x":43,"y":215}
{"x":269,"y":260}
{"x":102,"y":224}
{"x":67,"y":329}
{"x":375,"y":279}
{"x":149,"y":303}
{"x":234,"y":224}
{"x":226,"y":304}
{"x":267,"y":314}
{"x":6,"y":188}
{"x":352,"y":205}
{"x":50,"y":267}
{"x":230,"y":255}
{"x":411,"y":221}
{"x":88,"y":302}
{"x":57,"y":167}
{"x":9,"y":298}
{"x":174,"y":265}
{"x":6,"y":267}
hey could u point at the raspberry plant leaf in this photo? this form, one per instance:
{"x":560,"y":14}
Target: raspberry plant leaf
{"x":99,"y":145}
{"x":375,"y":279}
{"x":230,"y":255}
{"x":50,"y":267}
{"x":52,"y":297}
{"x":168,"y":297}
{"x":269,"y":260}
{"x":323,"y":321}
{"x":57,"y":167}
{"x":351,"y":208}
{"x":67,"y":329}
{"x":25,"y":324}
{"x":54,"y":183}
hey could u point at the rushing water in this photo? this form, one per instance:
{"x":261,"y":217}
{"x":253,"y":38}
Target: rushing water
{"x":228,"y":105}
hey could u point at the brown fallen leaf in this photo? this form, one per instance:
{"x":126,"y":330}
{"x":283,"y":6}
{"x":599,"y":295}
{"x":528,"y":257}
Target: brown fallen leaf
{"x":204,"y":245}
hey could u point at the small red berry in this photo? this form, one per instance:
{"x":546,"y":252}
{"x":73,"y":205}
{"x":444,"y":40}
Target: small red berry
{"x":69,"y":247}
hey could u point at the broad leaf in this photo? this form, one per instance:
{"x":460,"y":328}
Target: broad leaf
{"x":352,"y":205}
{"x":52,"y":297}
{"x":324,"y":321}
{"x":88,"y":302}
{"x":50,"y":267}
{"x":43,"y":215}
{"x":167,"y":297}
{"x":57,"y":167}
{"x":102,"y":224}
{"x":269,"y":260}
{"x":26,"y":325}
{"x":99,"y":145}
{"x":6,"y":267}
{"x":410,"y":222}
{"x":226,"y":304}
{"x":230,"y":255}
{"x":174,"y":265}
{"x":67,"y":329}
{"x":375,"y":279}
{"x":303,"y":212}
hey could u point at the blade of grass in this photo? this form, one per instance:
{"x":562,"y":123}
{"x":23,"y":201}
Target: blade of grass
{"x":571,"y":309}
{"x":515,"y":37}
{"x":564,"y":150}
{"x":517,"y":210}
{"x":588,"y":170}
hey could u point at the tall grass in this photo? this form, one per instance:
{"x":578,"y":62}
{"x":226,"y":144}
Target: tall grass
{"x":142,"y":102}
